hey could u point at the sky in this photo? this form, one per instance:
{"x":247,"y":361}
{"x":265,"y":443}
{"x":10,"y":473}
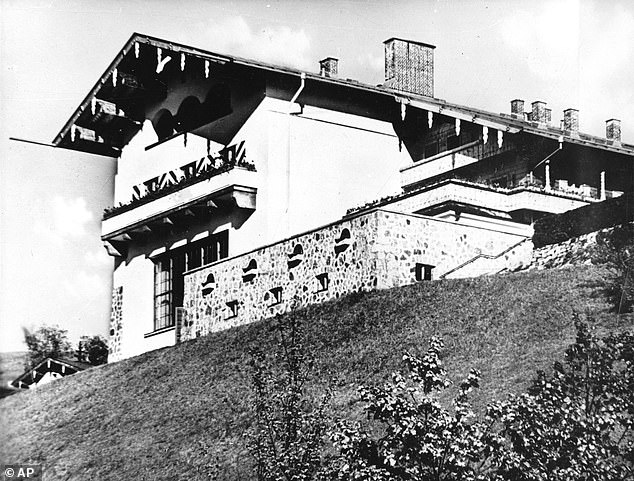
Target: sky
{"x":53,"y":267}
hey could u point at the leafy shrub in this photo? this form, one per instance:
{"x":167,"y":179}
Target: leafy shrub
{"x":575,"y":424}
{"x":92,"y":349}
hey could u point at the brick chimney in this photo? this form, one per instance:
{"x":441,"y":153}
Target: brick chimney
{"x":571,"y":121}
{"x":539,"y":113}
{"x":409,"y":66}
{"x":613,"y":130}
{"x":517,"y":108}
{"x":329,"y":67}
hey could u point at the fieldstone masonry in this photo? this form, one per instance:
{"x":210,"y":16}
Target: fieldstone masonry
{"x":378,"y":249}
{"x":575,"y":251}
{"x":116,"y":324}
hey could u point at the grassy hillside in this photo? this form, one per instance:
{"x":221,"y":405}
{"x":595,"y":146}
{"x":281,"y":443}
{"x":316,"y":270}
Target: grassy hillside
{"x":170,"y":414}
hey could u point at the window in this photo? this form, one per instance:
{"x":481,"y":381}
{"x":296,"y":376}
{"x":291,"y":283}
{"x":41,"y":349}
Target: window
{"x":453,"y":142}
{"x":276,"y":295}
{"x":169,"y":269}
{"x":431,"y":149}
{"x":233,"y":309}
{"x":168,"y":289}
{"x":423,"y":272}
{"x":323,"y":281}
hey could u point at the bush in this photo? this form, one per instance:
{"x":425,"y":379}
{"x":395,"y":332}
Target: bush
{"x":421,"y":439}
{"x":92,"y":349}
{"x":575,"y":424}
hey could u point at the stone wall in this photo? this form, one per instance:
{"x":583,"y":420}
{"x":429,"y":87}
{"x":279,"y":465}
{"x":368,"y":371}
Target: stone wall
{"x":379,"y":249}
{"x":116,"y":324}
{"x":575,"y":251}
{"x":306,"y":269}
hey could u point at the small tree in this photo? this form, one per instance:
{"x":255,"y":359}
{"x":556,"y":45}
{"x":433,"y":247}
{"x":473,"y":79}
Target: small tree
{"x":422,"y":440}
{"x":289,"y":428}
{"x":576,"y":424}
{"x":615,"y":249}
{"x":46,"y":341}
{"x":92,"y":349}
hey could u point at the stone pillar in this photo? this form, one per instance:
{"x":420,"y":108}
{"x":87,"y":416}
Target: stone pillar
{"x":547,"y":169}
{"x":602,"y":189}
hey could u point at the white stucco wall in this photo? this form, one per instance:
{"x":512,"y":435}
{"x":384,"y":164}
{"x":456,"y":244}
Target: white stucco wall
{"x":337,"y":161}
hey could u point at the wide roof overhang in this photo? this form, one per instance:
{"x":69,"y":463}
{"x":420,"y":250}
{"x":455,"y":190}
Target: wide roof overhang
{"x":121,"y":124}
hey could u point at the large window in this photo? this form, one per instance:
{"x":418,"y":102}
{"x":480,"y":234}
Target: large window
{"x":169,"y":269}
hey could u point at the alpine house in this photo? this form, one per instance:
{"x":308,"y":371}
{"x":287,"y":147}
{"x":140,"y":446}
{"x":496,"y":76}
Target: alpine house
{"x":245,"y":189}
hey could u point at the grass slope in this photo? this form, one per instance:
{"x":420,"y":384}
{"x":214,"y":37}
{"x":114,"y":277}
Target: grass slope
{"x":170,"y":413}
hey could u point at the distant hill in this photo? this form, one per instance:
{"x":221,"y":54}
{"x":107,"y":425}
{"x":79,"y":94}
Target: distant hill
{"x":175,"y":412}
{"x":11,"y":366}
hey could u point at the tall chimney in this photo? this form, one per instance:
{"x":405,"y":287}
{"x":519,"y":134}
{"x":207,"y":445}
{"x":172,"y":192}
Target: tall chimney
{"x":539,"y":112}
{"x":571,"y":121}
{"x":329,"y":67}
{"x":517,"y":108}
{"x":613,"y":130}
{"x":409,"y":66}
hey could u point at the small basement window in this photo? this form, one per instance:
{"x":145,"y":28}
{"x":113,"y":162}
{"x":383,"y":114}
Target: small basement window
{"x":276,"y":295}
{"x":233,"y":309}
{"x":423,"y":272}
{"x":324,"y":281}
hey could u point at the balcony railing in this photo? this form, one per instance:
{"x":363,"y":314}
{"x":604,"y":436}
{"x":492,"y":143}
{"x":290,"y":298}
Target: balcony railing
{"x":201,"y":175}
{"x":525,"y":194}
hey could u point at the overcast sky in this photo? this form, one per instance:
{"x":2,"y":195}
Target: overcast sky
{"x":53,"y":268}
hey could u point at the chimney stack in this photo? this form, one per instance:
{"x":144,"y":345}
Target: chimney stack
{"x":517,"y":108}
{"x":409,"y":66}
{"x":539,"y":113}
{"x":613,"y":130}
{"x":329,"y":67}
{"x":571,"y":121}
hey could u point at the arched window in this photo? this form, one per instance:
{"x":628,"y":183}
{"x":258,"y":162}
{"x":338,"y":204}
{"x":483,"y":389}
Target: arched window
{"x":296,"y":257}
{"x":217,"y":102}
{"x":164,"y":124}
{"x":190,"y":114}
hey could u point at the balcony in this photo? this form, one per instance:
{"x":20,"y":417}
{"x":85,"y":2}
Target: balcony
{"x":433,"y":167}
{"x":520,"y":198}
{"x":198,"y":195}
{"x":414,"y":176}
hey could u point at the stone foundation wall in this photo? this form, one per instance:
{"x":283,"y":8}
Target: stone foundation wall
{"x":116,"y":324}
{"x":406,"y":240}
{"x":575,"y":251}
{"x":307,"y":269}
{"x":379,"y":249}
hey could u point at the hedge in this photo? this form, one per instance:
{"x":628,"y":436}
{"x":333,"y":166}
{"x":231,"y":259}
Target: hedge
{"x":557,"y":228}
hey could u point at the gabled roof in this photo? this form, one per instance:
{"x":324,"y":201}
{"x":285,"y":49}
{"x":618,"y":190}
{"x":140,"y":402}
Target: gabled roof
{"x":67,"y":138}
{"x":50,"y":364}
